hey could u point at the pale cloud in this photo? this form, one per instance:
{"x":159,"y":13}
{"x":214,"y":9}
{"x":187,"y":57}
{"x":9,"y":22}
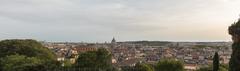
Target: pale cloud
{"x":100,"y":20}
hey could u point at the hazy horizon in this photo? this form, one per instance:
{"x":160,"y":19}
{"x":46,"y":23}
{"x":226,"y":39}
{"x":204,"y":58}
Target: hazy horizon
{"x":109,"y":41}
{"x":101,"y":20}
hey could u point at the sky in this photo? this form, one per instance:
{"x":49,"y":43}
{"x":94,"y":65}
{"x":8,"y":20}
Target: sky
{"x":126,"y":20}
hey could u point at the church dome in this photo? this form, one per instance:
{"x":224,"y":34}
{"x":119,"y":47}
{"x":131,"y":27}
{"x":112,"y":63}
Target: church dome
{"x":113,"y":40}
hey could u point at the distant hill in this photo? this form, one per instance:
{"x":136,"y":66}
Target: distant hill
{"x":149,"y":43}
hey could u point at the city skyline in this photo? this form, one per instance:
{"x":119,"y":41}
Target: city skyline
{"x":99,"y":21}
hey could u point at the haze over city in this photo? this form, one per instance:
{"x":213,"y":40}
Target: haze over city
{"x":101,"y":20}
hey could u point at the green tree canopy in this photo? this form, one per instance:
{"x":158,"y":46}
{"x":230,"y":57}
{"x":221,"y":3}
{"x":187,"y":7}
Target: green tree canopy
{"x":19,"y":54}
{"x":29,"y":48}
{"x":100,"y":59}
{"x":20,"y":63}
{"x":169,"y":65}
{"x":222,"y":67}
{"x":143,"y":67}
{"x":138,"y":67}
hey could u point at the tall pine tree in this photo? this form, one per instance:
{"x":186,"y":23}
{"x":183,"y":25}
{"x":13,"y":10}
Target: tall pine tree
{"x":234,"y":31}
{"x":216,"y":62}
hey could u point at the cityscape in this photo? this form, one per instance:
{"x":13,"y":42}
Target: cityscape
{"x":119,"y":35}
{"x":129,"y":53}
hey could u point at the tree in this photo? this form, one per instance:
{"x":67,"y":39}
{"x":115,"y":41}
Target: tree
{"x":87,"y":59}
{"x":169,"y":65}
{"x":143,"y":67}
{"x":216,"y":62}
{"x":222,"y":67}
{"x":100,"y":59}
{"x":26,"y":50}
{"x":127,"y":68}
{"x":67,"y":63}
{"x":234,"y":31}
{"x":20,"y":63}
{"x":138,"y":67}
{"x":29,"y":48}
{"x":205,"y":69}
{"x":104,"y":58}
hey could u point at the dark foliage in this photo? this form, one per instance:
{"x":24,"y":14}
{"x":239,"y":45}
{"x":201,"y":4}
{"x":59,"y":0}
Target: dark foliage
{"x":100,"y":59}
{"x":25,"y":55}
{"x":216,"y":62}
